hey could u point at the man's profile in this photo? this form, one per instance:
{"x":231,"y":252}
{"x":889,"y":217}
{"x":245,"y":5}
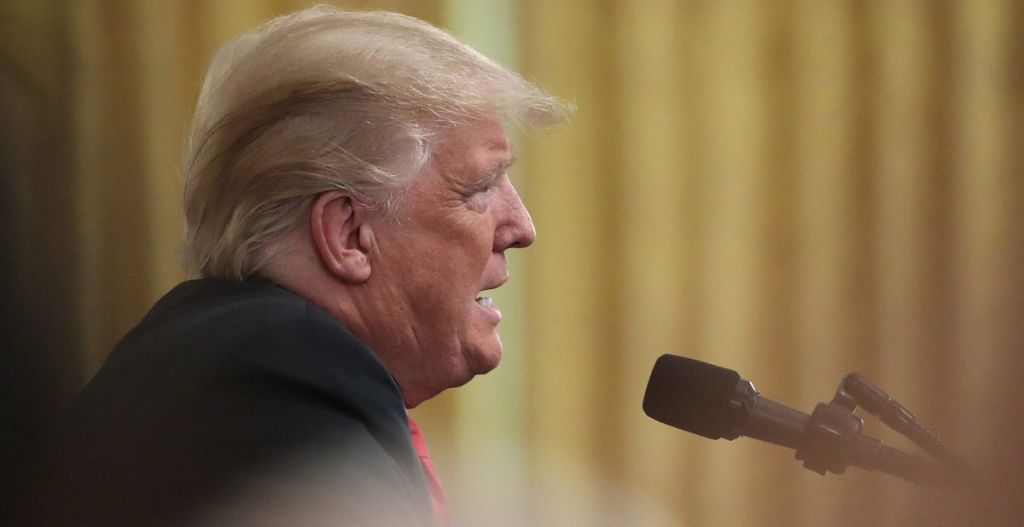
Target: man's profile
{"x":347,"y":208}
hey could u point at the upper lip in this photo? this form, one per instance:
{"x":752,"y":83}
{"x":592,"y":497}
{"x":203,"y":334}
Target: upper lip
{"x":495,"y":284}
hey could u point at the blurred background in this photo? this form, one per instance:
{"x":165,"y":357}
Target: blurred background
{"x":791,"y":189}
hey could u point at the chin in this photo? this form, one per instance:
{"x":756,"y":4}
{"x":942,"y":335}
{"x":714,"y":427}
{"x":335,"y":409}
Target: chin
{"x":486,"y":357}
{"x":487,"y":363}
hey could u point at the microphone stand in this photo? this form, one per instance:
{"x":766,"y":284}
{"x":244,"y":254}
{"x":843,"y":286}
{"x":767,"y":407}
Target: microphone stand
{"x":833,"y":438}
{"x":855,"y":387}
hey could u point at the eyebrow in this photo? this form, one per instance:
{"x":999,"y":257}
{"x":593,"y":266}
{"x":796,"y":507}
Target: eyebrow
{"x":497,"y":170}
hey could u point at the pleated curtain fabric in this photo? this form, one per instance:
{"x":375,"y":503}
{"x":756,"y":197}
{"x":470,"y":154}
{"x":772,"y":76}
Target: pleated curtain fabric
{"x":792,"y":189}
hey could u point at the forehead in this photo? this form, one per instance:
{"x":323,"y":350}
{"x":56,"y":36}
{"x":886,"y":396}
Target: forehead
{"x":474,"y":149}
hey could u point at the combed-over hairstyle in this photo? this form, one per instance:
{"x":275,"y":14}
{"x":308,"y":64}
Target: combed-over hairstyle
{"x":326,"y":99}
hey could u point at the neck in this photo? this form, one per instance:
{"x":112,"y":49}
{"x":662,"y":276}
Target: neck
{"x":354,"y":307}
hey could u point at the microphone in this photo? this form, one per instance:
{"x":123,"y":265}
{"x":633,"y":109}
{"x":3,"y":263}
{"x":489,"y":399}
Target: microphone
{"x":715,"y":402}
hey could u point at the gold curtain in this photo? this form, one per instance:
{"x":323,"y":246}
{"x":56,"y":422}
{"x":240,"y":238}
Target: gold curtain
{"x":795,"y":190}
{"x":792,"y":189}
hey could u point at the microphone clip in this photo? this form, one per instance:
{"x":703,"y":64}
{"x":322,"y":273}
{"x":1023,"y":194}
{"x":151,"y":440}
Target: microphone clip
{"x":832,"y":439}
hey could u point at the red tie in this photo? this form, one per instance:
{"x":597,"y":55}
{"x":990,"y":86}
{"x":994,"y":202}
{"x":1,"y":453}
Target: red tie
{"x":437,"y":497}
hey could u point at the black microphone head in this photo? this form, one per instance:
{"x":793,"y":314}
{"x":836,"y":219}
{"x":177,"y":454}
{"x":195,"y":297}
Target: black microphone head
{"x":692,"y":395}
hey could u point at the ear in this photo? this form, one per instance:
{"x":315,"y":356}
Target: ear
{"x":341,"y":236}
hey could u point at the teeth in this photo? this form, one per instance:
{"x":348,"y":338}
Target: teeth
{"x":485,"y":301}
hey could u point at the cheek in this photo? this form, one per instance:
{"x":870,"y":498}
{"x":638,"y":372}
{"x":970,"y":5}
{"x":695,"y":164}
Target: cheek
{"x":443,"y":267}
{"x":467,"y":249}
{"x":442,"y":285}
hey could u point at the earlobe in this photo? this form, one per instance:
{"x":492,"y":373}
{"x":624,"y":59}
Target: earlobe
{"x":338,"y":233}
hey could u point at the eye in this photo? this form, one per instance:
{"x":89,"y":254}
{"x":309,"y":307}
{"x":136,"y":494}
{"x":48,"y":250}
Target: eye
{"x":479,"y":197}
{"x":485,"y":188}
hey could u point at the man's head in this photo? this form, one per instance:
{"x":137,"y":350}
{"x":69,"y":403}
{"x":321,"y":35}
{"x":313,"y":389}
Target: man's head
{"x":360,"y":160}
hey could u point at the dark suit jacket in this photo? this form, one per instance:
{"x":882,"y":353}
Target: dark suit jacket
{"x":239,"y":403}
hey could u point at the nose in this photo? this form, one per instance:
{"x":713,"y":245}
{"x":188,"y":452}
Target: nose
{"x":516,"y":229}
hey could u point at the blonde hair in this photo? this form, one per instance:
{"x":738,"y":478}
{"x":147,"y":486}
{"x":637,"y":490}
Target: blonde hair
{"x":326,"y":99}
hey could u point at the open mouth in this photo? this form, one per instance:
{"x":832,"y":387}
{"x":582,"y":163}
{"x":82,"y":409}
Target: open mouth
{"x":486,"y":305}
{"x":486,"y":302}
